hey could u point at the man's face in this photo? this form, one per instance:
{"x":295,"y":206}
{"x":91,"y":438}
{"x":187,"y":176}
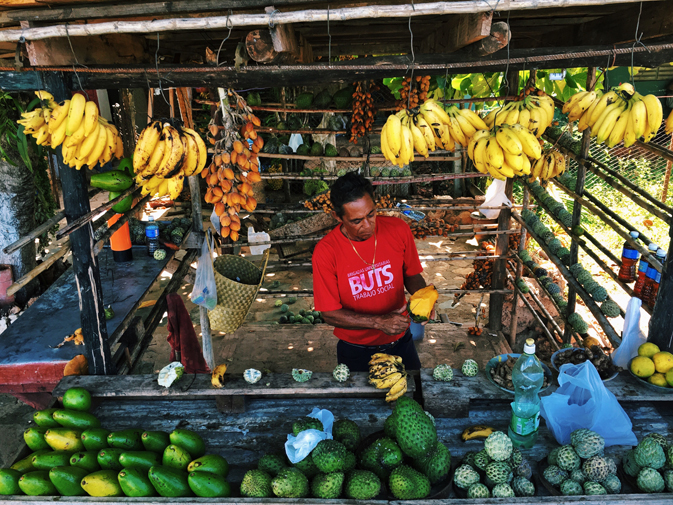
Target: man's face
{"x":359,"y":218}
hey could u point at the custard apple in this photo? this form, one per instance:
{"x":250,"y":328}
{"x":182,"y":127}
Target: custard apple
{"x":160,"y":254}
{"x":482,"y":460}
{"x":523,"y":487}
{"x":552,"y":457}
{"x":612,"y":465}
{"x":578,"y":476}
{"x":629,"y":464}
{"x":554,"y":475}
{"x":468,"y":459}
{"x":502,"y":491}
{"x":594,"y":488}
{"x":650,"y":481}
{"x":499,"y":472}
{"x":301,"y":375}
{"x":469,"y":368}
{"x":465,"y":476}
{"x":570,"y":487}
{"x":498,"y":446}
{"x":515,"y":459}
{"x":650,"y":454}
{"x":567,"y":459}
{"x":587,"y":443}
{"x":610,"y":308}
{"x":524,"y":470}
{"x":612,"y":484}
{"x":668,"y":480}
{"x":596,"y":468}
{"x":478,"y":491}
{"x":658,"y":438}
{"x":341,"y":373}
{"x":442,"y":372}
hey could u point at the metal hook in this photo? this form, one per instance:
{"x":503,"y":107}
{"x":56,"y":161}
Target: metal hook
{"x":273,"y":13}
{"x":76,"y":60}
{"x":229,"y":25}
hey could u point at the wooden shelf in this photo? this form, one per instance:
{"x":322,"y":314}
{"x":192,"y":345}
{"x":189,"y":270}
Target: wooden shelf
{"x":372,"y":158}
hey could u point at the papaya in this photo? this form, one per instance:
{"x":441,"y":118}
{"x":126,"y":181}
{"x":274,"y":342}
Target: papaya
{"x":139,"y":459}
{"x":44,"y":418}
{"x":64,"y":439}
{"x":155,"y":441}
{"x":34,"y":438}
{"x":26,"y":464}
{"x":77,"y":399}
{"x":95,"y":439}
{"x":102,"y":483}
{"x":37,"y":484}
{"x":208,"y":485}
{"x":422,"y":303}
{"x":85,"y":459}
{"x":66,"y":480}
{"x":169,"y":482}
{"x":303,"y":100}
{"x":76,"y":419}
{"x":134,"y":482}
{"x":123,"y":206}
{"x":108,"y":459}
{"x":190,"y":441}
{"x":129,"y":440}
{"x":213,"y":463}
{"x":49,"y":460}
{"x":9,"y":481}
{"x":176,"y":457}
{"x":112,"y":180}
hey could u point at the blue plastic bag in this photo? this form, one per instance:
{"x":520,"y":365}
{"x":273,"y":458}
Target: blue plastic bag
{"x":582,"y":401}
{"x":297,"y":448}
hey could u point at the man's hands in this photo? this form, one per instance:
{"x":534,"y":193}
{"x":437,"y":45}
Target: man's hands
{"x":393,"y":323}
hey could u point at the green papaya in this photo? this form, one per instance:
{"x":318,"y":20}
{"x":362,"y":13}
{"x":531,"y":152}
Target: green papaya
{"x":49,"y":460}
{"x":102,"y":483}
{"x":108,"y":459}
{"x":303,"y":150}
{"x":123,"y":206}
{"x":44,"y":418}
{"x":85,"y":459}
{"x":176,"y":457}
{"x":77,"y":399}
{"x":66,"y":480}
{"x":26,"y":464}
{"x":304,"y":100}
{"x":208,"y":485}
{"x":155,"y":441}
{"x":129,"y":440}
{"x":37,"y":484}
{"x":135,"y":483}
{"x":190,"y":441}
{"x":34,"y":438}
{"x":316,"y":149}
{"x":95,"y":439}
{"x":330,"y":150}
{"x":9,"y":481}
{"x":139,"y":459}
{"x":64,"y":439}
{"x":169,"y":482}
{"x":76,"y":419}
{"x":113,"y":180}
{"x":213,"y":463}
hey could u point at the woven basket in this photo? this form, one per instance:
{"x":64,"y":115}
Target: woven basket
{"x":238,"y":281}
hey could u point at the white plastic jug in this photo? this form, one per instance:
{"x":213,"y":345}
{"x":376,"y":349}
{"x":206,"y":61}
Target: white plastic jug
{"x":258,"y":237}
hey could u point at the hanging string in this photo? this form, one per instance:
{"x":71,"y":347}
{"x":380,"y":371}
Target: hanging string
{"x":229,"y":25}
{"x":413,"y":59}
{"x":636,"y":42}
{"x":76,"y":60}
{"x":505,"y":81}
{"x":329,"y":44}
{"x":156,"y":64}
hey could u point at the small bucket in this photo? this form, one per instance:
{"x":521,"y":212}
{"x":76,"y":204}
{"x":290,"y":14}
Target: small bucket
{"x":417,"y":331}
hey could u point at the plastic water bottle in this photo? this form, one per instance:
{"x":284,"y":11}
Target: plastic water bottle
{"x":651,"y":287}
{"x":152,"y":236}
{"x":527,"y":376}
{"x":642,"y":271}
{"x":627,"y":272}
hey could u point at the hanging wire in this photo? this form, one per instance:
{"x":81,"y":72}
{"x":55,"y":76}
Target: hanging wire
{"x":156,"y":64}
{"x":229,"y":25}
{"x":76,"y":60}
{"x":329,"y":45}
{"x":505,"y":84}
{"x":636,"y":42}
{"x":413,"y":59}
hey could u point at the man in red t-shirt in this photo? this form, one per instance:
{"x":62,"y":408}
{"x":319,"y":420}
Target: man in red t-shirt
{"x":360,"y":272}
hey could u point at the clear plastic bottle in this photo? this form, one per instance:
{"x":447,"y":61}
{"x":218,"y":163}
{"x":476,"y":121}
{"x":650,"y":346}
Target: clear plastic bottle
{"x":627,"y":272}
{"x":152,"y":236}
{"x":651,"y":288}
{"x":642,"y":271}
{"x":527,"y":376}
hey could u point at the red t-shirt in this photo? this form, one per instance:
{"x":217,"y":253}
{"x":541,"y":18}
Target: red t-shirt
{"x":342,"y":280}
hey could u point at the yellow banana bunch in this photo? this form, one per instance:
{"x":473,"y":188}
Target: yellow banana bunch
{"x":451,"y":124}
{"x":164,"y":156}
{"x":478,"y":432}
{"x":533,"y":112}
{"x":398,"y":389}
{"x":580,"y":103}
{"x":551,"y":164}
{"x":387,"y":372}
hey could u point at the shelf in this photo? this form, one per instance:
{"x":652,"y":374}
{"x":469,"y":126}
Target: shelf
{"x":372,"y":158}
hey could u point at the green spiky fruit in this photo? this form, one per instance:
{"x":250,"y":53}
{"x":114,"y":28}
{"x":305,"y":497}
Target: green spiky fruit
{"x":589,"y":286}
{"x":650,"y":454}
{"x":524,"y":256}
{"x":658,"y":438}
{"x":502,"y":491}
{"x":610,"y":308}
{"x":271,"y":464}
{"x":465,"y":476}
{"x":594,"y":488}
{"x":668,"y":480}
{"x":554,"y":475}
{"x":327,"y":486}
{"x":382,"y":456}
{"x":522,"y":285}
{"x":347,"y":432}
{"x":290,"y":483}
{"x":477,"y":491}
{"x":629,"y":464}
{"x":414,"y":430}
{"x":567,"y":459}
{"x":612,"y":465}
{"x":596,"y":468}
{"x":443,"y":372}
{"x":408,"y":484}
{"x":555,"y":245}
{"x":566,"y":218}
{"x":523,"y":470}
{"x":307,"y":467}
{"x":570,"y":487}
{"x":600,"y":294}
{"x":436,"y":465}
{"x":329,"y":456}
{"x":306,"y":423}
{"x":553,"y":288}
{"x":539,"y":229}
{"x":515,"y":459}
{"x":578,"y":323}
{"x":469,"y":368}
{"x":362,"y":485}
{"x":650,"y":481}
{"x":498,"y":446}
{"x":612,"y":484}
{"x":468,"y":459}
{"x":256,"y":484}
{"x":499,"y":472}
{"x":523,"y":487}
{"x":584,"y":277}
{"x":562,"y":305}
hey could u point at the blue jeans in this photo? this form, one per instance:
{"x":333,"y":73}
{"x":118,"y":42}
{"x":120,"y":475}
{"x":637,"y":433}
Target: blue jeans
{"x":357,"y":357}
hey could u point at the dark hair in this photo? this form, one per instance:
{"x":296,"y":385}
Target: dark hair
{"x":349,"y":188}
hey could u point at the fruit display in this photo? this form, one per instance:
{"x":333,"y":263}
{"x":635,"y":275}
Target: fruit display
{"x":413,"y":91}
{"x":430,"y":227}
{"x":501,"y":374}
{"x":275,"y":184}
{"x":551,"y":164}
{"x":653,"y":365}
{"x":387,"y":372}
{"x":322,"y":202}
{"x":621,"y":114}
{"x":363,"y":110}
{"x":498,"y":470}
{"x":606,"y":369}
{"x":391,"y":172}
{"x":422,"y":303}
{"x":534,"y":112}
{"x":87,"y":138}
{"x":584,"y":277}
{"x":545,"y":234}
{"x":555,"y":207}
{"x":302,"y":317}
{"x":649,"y":464}
{"x":443,"y":373}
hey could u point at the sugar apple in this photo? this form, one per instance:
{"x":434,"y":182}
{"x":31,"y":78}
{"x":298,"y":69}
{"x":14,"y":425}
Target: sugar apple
{"x":252,"y":376}
{"x":650,"y":481}
{"x":570,"y":487}
{"x":629,"y":464}
{"x":341,"y":373}
{"x":515,"y":459}
{"x":499,"y":472}
{"x":578,"y":476}
{"x":160,"y":254}
{"x":612,"y":484}
{"x":442,"y":372}
{"x":555,"y":245}
{"x":612,"y":465}
{"x":523,"y":487}
{"x":465,"y":476}
{"x":301,"y":375}
{"x":668,"y":480}
{"x":482,"y":460}
{"x":552,"y":457}
{"x":553,"y":288}
{"x":650,"y":454}
{"x":478,"y":491}
{"x":539,"y":228}
{"x":498,"y":446}
{"x":600,"y":294}
{"x":567,"y":459}
{"x":502,"y":491}
{"x":594,"y":488}
{"x":566,"y":218}
{"x":554,"y":475}
{"x":658,"y":438}
{"x":469,"y":368}
{"x":468,"y":459}
{"x":596,"y":468}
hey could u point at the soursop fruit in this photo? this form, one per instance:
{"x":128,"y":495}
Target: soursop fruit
{"x":327,"y":486}
{"x":443,"y":372}
{"x":499,"y":472}
{"x":271,"y":464}
{"x":436,"y":465}
{"x":478,"y":491}
{"x":567,"y":459}
{"x":347,"y":432}
{"x":306,"y":423}
{"x":408,"y":484}
{"x":650,"y":481}
{"x":552,"y":457}
{"x":555,"y":245}
{"x":554,"y":475}
{"x":578,"y":476}
{"x":523,"y":487}
{"x":256,"y":484}
{"x":414,"y":431}
{"x":362,"y":485}
{"x":570,"y":487}
{"x":600,"y":294}
{"x":612,"y":484}
{"x":482,"y":460}
{"x":594,"y":488}
{"x":290,"y":483}
{"x":587,"y":443}
{"x":465,"y":476}
{"x":610,"y":308}
{"x":341,"y":373}
{"x":650,"y":454}
{"x":668,"y":480}
{"x":596,"y":468}
{"x":502,"y":491}
{"x":329,"y":456}
{"x":382,"y":456}
{"x":629,"y":464}
{"x":469,"y":368}
{"x":523,"y":470}
{"x":307,"y":467}
{"x":498,"y":446}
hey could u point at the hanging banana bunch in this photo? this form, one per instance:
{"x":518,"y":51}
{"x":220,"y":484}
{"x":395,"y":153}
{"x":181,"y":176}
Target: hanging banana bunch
{"x":534,"y":112}
{"x":87,"y":139}
{"x":669,"y":124}
{"x":164,"y":156}
{"x":551,"y":164}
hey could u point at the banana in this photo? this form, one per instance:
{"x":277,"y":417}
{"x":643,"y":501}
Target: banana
{"x":530,"y":145}
{"x":478,"y":432}
{"x":508,"y":140}
{"x":32,"y":124}
{"x":191,"y":155}
{"x":515,"y":161}
{"x":384,"y":146}
{"x":109,"y":147}
{"x":174,"y":153}
{"x":98,"y":148}
{"x":608,"y":111}
{"x":502,"y":115}
{"x":545,"y":121}
{"x":473,"y":118}
{"x":512,"y":116}
{"x":638,"y":117}
{"x":548,"y":168}
{"x":490,"y":118}
{"x":570,"y":104}
{"x":175,"y":185}
{"x":608,"y":124}
{"x":75,"y":114}
{"x":457,"y":133}
{"x":155,"y":160}
{"x":630,"y":131}
{"x":68,"y":153}
{"x":607,"y":99}
{"x":447,"y":139}
{"x":669,"y":124}
{"x":153,"y":183}
{"x":432,"y":118}
{"x":407,"y":147}
{"x":655,"y":115}
{"x":380,"y":357}
{"x":494,"y":155}
{"x":217,"y":377}
{"x":147,"y":142}
{"x":201,"y":147}
{"x":559,"y":163}
{"x":480,"y":134}
{"x":162,"y":189}
{"x":437,"y":109}
{"x":45,"y":96}
{"x":535,"y":123}
{"x":387,"y":382}
{"x":465,"y":126}
{"x":383,"y":373}
{"x":507,"y":171}
{"x":119,"y":148}
{"x":419,"y":140}
{"x":583,"y":123}
{"x":58,"y":135}
{"x":479,"y":155}
{"x":617,"y":133}
{"x":581,"y":106}
{"x":58,"y":115}
{"x":426,"y":130}
{"x":90,"y":117}
{"x":394,"y":134}
{"x":524,"y":117}
{"x":537,"y":169}
{"x":526,"y":165}
{"x":76,"y":137}
{"x":41,"y":134}
{"x":397,"y":390}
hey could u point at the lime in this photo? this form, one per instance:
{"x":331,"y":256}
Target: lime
{"x":642,"y":367}
{"x":663,"y":361}
{"x":648,"y":349}
{"x":658,"y":379}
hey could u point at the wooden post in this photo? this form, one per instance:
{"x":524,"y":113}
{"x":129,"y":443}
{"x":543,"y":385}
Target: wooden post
{"x":500,"y":265}
{"x":85,"y":264}
{"x":128,"y":126}
{"x":667,"y":177}
{"x":519,"y":268}
{"x":661,"y":322}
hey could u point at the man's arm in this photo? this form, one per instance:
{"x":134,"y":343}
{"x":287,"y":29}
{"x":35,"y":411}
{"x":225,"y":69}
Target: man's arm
{"x":414,"y":283}
{"x":392,"y":323}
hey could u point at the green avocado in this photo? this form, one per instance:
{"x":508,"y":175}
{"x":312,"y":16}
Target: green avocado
{"x":176,"y":457}
{"x":78,"y":398}
{"x":37,"y":484}
{"x":190,"y":441}
{"x":76,"y":419}
{"x":85,"y":459}
{"x":139,"y":459}
{"x":128,"y":440}
{"x":108,"y":459}
{"x":135,"y":483}
{"x":208,"y":485}
{"x":213,"y":463}
{"x":155,"y":441}
{"x":44,"y":418}
{"x":123,"y":206}
{"x":169,"y":482}
{"x":95,"y":439}
{"x":34,"y":438}
{"x":49,"y":460}
{"x":66,"y":479}
{"x":102,"y":483}
{"x":9,"y":481}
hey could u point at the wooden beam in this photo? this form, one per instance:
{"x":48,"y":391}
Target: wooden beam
{"x":499,"y":37}
{"x":458,"y":32}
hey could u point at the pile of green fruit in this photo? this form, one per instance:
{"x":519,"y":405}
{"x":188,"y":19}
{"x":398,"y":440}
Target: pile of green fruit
{"x":497,"y":471}
{"x":408,"y":458}
{"x":171,"y":231}
{"x":581,"y":468}
{"x":651,"y":464}
{"x":74,"y":456}
{"x":303,"y":317}
{"x":390,"y":172}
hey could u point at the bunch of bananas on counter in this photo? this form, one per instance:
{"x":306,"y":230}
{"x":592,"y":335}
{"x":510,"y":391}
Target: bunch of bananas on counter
{"x":431,"y":128}
{"x":387,"y":371}
{"x":533,"y":112}
{"x":87,"y":138}
{"x":620,"y":114}
{"x":505,"y":151}
{"x":550,"y":164}
{"x":164,"y":156}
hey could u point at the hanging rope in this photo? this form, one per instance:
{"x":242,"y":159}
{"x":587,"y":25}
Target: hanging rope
{"x":413,"y":59}
{"x":636,"y":42}
{"x":229,"y":25}
{"x":156,"y":64}
{"x":76,"y":60}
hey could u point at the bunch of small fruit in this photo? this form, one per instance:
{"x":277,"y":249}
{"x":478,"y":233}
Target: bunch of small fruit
{"x":653,"y":365}
{"x":363,"y":110}
{"x":387,"y":372}
{"x":410,"y":97}
{"x":431,"y":228}
{"x":651,"y":464}
{"x":534,"y":111}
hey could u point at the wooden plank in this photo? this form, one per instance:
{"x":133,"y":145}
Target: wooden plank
{"x":46,"y":263}
{"x":499,"y":37}
{"x":458,"y":32}
{"x":44,"y":227}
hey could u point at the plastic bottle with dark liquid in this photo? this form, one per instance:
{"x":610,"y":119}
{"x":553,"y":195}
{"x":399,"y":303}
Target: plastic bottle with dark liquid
{"x":627,"y":272}
{"x":643,"y":265}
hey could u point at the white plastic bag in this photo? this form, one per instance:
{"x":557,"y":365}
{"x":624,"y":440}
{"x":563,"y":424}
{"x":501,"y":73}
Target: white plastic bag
{"x":632,"y":337}
{"x":297,"y":448}
{"x":582,"y":401}
{"x":215,"y":220}
{"x":205,"y":289}
{"x":295,"y":141}
{"x":495,"y":197}
{"x":261,"y":236}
